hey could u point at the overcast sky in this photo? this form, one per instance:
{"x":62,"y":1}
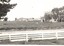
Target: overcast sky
{"x":33,"y":8}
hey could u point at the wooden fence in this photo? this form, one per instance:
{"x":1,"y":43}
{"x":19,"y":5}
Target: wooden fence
{"x":31,"y":35}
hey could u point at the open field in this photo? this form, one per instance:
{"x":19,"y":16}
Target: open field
{"x":22,"y":25}
{"x":9,"y":26}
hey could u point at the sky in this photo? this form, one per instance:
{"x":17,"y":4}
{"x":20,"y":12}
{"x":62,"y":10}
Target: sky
{"x":32,"y":8}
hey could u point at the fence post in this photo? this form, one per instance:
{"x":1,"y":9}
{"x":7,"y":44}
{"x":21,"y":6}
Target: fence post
{"x":26,"y":37}
{"x":57,"y":35}
{"x":42,"y":36}
{"x":10,"y":37}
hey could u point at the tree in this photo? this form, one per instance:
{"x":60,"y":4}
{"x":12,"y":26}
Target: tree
{"x":5,"y":19}
{"x":7,"y":1}
{"x":55,"y":13}
{"x":5,"y":7}
{"x":47,"y":16}
{"x":15,"y":19}
{"x":58,"y":13}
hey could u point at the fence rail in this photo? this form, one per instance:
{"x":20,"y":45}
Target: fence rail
{"x":35,"y":35}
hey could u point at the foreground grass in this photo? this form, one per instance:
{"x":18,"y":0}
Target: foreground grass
{"x":36,"y":42}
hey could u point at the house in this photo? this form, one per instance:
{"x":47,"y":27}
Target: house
{"x":52,"y":20}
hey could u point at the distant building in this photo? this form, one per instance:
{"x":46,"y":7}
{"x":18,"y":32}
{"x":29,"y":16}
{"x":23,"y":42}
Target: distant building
{"x":22,"y":19}
{"x":29,"y":19}
{"x":37,"y":20}
{"x":52,"y":20}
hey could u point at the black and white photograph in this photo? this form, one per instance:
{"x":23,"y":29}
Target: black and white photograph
{"x":31,"y":22}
